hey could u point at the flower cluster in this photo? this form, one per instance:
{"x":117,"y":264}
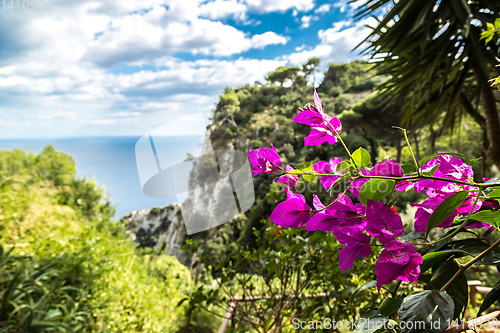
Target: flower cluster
{"x":358,"y":226}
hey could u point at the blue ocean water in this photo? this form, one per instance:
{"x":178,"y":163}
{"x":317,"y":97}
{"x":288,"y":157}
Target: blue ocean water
{"x":111,"y":161}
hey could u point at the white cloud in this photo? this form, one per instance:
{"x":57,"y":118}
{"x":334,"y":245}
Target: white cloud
{"x":95,"y":67}
{"x":220,"y":9}
{"x":158,"y":32}
{"x":322,"y":9}
{"x":336,"y":43}
{"x":266,"y":6}
{"x":307,"y":20}
{"x":300,"y":48}
{"x":267,"y":38}
{"x":343,"y":5}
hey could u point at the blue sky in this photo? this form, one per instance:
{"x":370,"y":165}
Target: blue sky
{"x":125,"y":67}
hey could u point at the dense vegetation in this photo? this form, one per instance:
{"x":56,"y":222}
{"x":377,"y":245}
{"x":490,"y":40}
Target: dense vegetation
{"x":65,"y":266}
{"x":256,"y":116}
{"x":251,"y":256}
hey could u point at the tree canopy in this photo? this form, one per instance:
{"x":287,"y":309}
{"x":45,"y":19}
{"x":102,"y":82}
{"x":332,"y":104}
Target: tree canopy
{"x":432,"y":53}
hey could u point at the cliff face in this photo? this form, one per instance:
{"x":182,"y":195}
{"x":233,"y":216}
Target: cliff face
{"x":161,"y":228}
{"x":246,"y":118}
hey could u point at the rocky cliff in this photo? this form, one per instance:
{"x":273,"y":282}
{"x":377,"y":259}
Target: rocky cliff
{"x":161,"y":228}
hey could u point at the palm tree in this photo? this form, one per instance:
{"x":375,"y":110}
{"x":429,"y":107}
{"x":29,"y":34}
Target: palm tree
{"x":432,"y":52}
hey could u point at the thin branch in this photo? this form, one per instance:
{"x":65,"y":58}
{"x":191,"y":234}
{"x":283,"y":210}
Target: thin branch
{"x":470,"y":263}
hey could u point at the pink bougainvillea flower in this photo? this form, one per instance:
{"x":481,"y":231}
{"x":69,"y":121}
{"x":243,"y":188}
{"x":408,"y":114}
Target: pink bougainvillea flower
{"x":426,"y":208}
{"x":312,"y":118}
{"x":340,"y":213}
{"x":357,"y":245}
{"x":319,"y":135}
{"x":382,"y":223}
{"x":293,"y":212}
{"x":437,"y":190}
{"x":323,"y":126}
{"x":398,"y":261}
{"x":290,"y":180}
{"x":358,"y":183}
{"x":390,"y":169}
{"x":264,"y":160}
{"x":328,"y":168}
{"x":449,"y":167}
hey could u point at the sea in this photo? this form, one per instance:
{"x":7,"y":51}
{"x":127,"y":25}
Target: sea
{"x":111,"y":161}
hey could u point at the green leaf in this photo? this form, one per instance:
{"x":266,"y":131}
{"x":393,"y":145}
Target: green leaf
{"x":309,"y":178}
{"x":303,"y":165}
{"x":492,"y":296}
{"x":434,"y":258}
{"x":494,"y":194}
{"x":474,"y":247}
{"x":487,"y":216}
{"x":376,"y":189}
{"x":458,"y":289}
{"x":342,"y":166}
{"x":408,"y":168}
{"x":389,"y":306}
{"x":181,"y":302}
{"x":430,"y":311}
{"x":445,"y":209}
{"x":268,"y":323}
{"x":361,"y":158}
{"x":412,"y":236}
{"x":432,"y":171}
{"x":472,"y":162}
{"x":367,"y":285}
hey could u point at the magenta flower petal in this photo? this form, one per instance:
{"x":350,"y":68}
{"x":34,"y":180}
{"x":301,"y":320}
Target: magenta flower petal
{"x":317,"y":101}
{"x":347,"y":235}
{"x":425,"y":210}
{"x":291,"y":213}
{"x":312,"y":118}
{"x":335,"y":122}
{"x":319,"y":135}
{"x":291,"y":195}
{"x":382,"y":223}
{"x":328,"y":167}
{"x":264,"y":160}
{"x":323,"y":126}
{"x":348,"y":254}
{"x":318,"y":205}
{"x":360,"y":208}
{"x":322,"y":221}
{"x":387,"y":168}
{"x":398,"y":261}
{"x":453,"y":167}
{"x":290,"y":180}
{"x":340,"y":213}
{"x":358,"y":245}
{"x":449,"y":167}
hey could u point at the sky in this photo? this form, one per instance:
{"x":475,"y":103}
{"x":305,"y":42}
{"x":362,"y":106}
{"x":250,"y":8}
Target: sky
{"x":125,"y":67}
